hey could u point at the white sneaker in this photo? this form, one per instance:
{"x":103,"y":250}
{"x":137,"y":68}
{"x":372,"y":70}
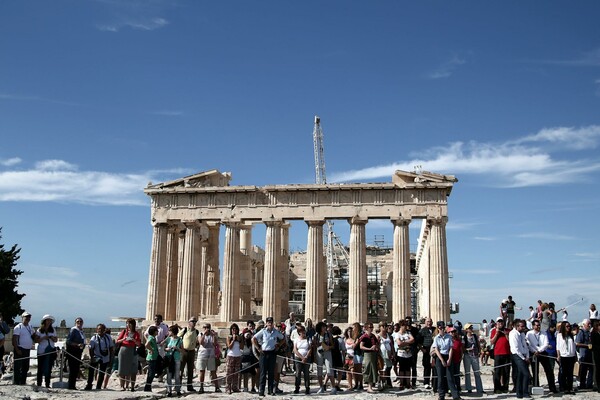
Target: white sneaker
{"x":428,"y":387}
{"x":321,"y":390}
{"x":334,"y":391}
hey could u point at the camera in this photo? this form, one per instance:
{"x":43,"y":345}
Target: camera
{"x":104,"y":352}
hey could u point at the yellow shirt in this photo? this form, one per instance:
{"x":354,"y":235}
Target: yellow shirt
{"x":190,"y":338}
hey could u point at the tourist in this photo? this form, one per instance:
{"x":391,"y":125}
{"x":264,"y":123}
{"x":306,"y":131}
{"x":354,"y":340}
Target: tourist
{"x":338,"y":355}
{"x":595,"y":341}
{"x":594,"y":315}
{"x":538,"y":353}
{"x":323,"y":342}
{"x":268,"y":340}
{"x":404,"y":341}
{"x":4,"y":330}
{"x":161,"y":337}
{"x":414,"y":331}
{"x":23,"y":342}
{"x":457,"y":355}
{"x":357,"y":365}
{"x":75,"y":345}
{"x":531,"y":318}
{"x":290,"y":327}
{"x":502,"y":361}
{"x":189,"y":336}
{"x":310,"y":329}
{"x":583,"y":341}
{"x":113,"y":364}
{"x":504,"y":310}
{"x":566,"y":356}
{"x":426,"y":334}
{"x":520,"y":357}
{"x":249,"y":362}
{"x":349,"y":359}
{"x":545,"y":316}
{"x":471,"y":350}
{"x":302,"y":352}
{"x":206,"y":359}
{"x":127,"y":341}
{"x":45,"y":337}
{"x":151,"y":356}
{"x":386,"y":348}
{"x":280,"y":360}
{"x":235,"y":344}
{"x":442,"y":347}
{"x":101,"y":350}
{"x":551,"y":335}
{"x":370,"y":347}
{"x":173,"y":350}
{"x":511,"y":306}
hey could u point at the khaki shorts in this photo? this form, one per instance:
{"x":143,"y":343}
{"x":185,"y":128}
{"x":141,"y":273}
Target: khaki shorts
{"x":207,"y":364}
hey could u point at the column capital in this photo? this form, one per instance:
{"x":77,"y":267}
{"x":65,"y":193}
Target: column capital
{"x":356,"y":220}
{"x":191,"y":223}
{"x":232,"y":224}
{"x":399,"y":221}
{"x":314,"y":222}
{"x":438,"y":220}
{"x":273,"y":222}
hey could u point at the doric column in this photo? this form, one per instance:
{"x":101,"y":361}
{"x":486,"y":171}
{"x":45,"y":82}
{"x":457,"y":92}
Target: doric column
{"x":314,"y":307}
{"x":271,"y":305}
{"x":245,"y":270}
{"x":285,"y":270}
{"x":211,"y":303}
{"x":156,"y":281}
{"x":438,"y":271}
{"x":181,"y":251}
{"x":401,"y":300}
{"x":230,"y":294}
{"x":190,"y":277}
{"x":172,"y":273}
{"x":357,"y":287}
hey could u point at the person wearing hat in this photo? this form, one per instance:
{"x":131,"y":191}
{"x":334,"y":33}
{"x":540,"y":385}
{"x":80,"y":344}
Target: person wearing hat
{"x":471,"y":359}
{"x":23,"y":343}
{"x":442,"y":348}
{"x":189,"y":335}
{"x":45,"y":337}
{"x":502,"y":361}
{"x":268,"y":340}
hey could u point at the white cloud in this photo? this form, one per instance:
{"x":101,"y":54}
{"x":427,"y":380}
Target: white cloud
{"x":517,"y":163}
{"x":545,"y":236}
{"x":588,"y":256}
{"x":60,"y":181}
{"x":447,"y":68}
{"x":140,"y":23}
{"x":586,"y":59}
{"x":169,"y":113}
{"x":9,"y":162}
{"x":484,"y":238}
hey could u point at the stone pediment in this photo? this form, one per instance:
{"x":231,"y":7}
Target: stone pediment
{"x":404,"y":178}
{"x":209,"y":178}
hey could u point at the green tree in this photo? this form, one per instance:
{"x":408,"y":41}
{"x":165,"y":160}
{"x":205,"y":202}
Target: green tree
{"x":10,"y":299}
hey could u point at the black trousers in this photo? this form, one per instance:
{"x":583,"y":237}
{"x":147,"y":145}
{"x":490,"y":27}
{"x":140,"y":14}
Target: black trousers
{"x":501,"y":374}
{"x":426,"y":366}
{"x":74,"y":362}
{"x":302,"y":371}
{"x":413,"y":366}
{"x":445,"y":379}
{"x":21,"y":367}
{"x":267,"y":371}
{"x":543,"y":361}
{"x":102,"y":367}
{"x":567,"y":364}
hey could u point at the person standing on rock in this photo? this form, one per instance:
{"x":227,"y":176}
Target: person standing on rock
{"x":22,"y":342}
{"x":127,"y":341}
{"x":101,"y":350}
{"x":45,"y":337}
{"x":189,"y":335}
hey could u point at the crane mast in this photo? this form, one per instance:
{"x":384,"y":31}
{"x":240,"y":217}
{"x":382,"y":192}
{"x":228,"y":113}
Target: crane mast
{"x":341,"y":256}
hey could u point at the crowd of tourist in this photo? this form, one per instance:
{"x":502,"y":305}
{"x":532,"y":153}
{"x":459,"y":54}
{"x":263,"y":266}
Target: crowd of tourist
{"x":359,"y":357}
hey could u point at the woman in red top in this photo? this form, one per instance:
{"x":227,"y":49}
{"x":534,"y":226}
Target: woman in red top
{"x":127,"y":341}
{"x":457,"y":353}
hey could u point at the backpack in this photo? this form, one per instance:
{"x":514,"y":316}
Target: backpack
{"x":4,"y":328}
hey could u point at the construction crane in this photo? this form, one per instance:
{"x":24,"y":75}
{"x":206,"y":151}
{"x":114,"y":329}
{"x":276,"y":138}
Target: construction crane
{"x":337,"y":255}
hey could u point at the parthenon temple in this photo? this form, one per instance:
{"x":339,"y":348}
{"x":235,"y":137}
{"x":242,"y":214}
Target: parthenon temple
{"x":185,"y":271}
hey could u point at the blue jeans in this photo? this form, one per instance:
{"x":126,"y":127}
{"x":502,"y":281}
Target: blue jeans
{"x":522,"y":384}
{"x":150,"y":376}
{"x":472,"y":362}
{"x":445,"y":379}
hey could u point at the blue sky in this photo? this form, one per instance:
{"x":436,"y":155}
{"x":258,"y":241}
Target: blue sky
{"x":97,"y":98}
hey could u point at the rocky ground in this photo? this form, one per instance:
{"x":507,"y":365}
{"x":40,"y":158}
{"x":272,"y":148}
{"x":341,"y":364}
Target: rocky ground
{"x":30,"y":391}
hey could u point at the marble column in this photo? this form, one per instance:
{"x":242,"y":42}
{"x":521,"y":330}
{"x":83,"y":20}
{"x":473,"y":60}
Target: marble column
{"x":271,"y":305}
{"x":230,"y":293}
{"x":181,"y":248}
{"x":245,"y":271}
{"x":401,"y":270}
{"x":438,"y":271}
{"x":285,"y":269}
{"x":357,"y":287}
{"x":172,"y":273}
{"x":213,"y":286}
{"x":190,"y":277}
{"x":314,"y":307}
{"x":156,"y":281}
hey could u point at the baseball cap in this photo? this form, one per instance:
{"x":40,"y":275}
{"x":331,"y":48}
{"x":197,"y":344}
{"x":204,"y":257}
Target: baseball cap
{"x":269,"y":319}
{"x":450,"y":329}
{"x":26,"y":314}
{"x":467,"y":326}
{"x":440,"y":324}
{"x":499,"y":319}
{"x":193,"y":319}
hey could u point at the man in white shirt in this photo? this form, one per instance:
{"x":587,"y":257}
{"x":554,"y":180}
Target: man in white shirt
{"x":268,"y":340}
{"x":520,"y":357}
{"x":22,"y":342}
{"x":538,"y":344}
